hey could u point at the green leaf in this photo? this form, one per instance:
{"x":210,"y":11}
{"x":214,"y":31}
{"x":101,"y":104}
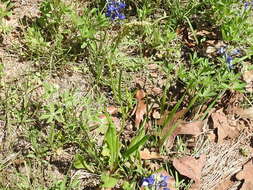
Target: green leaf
{"x":113,"y":143}
{"x":137,"y":138}
{"x":135,"y":147}
{"x":108,"y":181}
{"x":80,"y":163}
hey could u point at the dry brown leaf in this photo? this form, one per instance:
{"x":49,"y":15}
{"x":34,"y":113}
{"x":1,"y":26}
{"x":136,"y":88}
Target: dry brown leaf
{"x":210,"y":50}
{"x":140,"y":112}
{"x":190,"y":128}
{"x":140,"y":108}
{"x":247,"y":175}
{"x":140,"y":94}
{"x":112,"y":110}
{"x":220,"y":122}
{"x":156,"y":114}
{"x":157,"y":90}
{"x":244,"y":113}
{"x":248,"y":78}
{"x":104,"y":121}
{"x":183,"y":128}
{"x":225,"y":185}
{"x":205,"y":33}
{"x":174,"y":119}
{"x":167,"y":128}
{"x":191,"y":168}
{"x":147,"y":155}
{"x":211,"y":136}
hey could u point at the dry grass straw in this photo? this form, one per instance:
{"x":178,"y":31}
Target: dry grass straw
{"x":223,"y":161}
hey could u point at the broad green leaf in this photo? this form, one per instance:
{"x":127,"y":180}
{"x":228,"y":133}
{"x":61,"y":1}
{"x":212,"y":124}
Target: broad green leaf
{"x":113,"y":143}
{"x":137,"y":138}
{"x":80,"y":163}
{"x":135,"y":147}
{"x":108,"y":181}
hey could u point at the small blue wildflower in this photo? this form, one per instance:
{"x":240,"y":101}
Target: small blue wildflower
{"x":229,"y":61}
{"x":221,"y":50}
{"x":114,"y":10}
{"x":246,"y":5}
{"x":163,"y":182}
{"x":235,"y":52}
{"x":156,"y":182}
{"x":148,"y":181}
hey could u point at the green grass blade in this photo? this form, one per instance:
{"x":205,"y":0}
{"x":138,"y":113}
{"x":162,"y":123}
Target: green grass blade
{"x":135,"y":147}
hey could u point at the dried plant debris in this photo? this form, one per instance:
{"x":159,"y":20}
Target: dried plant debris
{"x":223,"y":160}
{"x":87,"y":179}
{"x":246,"y":175}
{"x":147,"y":155}
{"x":141,"y":107}
{"x":224,"y":130}
{"x":191,"y":168}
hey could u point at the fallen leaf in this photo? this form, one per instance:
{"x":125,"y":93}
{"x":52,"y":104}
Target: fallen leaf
{"x":103,"y":121}
{"x":247,"y":186}
{"x":140,"y":94}
{"x":190,"y":128}
{"x":167,"y":129}
{"x":147,"y":155}
{"x":182,"y":128}
{"x":191,"y":168}
{"x":247,"y":175}
{"x":205,"y":33}
{"x":224,"y":185}
{"x":152,"y":66}
{"x":157,"y":91}
{"x":220,"y":122}
{"x":156,"y":114}
{"x":211,"y":136}
{"x":174,"y":119}
{"x":244,"y":113}
{"x":140,"y":108}
{"x":112,"y":110}
{"x":248,"y":78}
{"x":210,"y":50}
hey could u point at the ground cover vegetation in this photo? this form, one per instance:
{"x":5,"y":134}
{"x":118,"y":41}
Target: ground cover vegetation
{"x":144,"y":94}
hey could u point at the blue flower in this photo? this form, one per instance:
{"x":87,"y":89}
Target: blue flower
{"x":148,"y":181}
{"x":235,"y":52}
{"x":163,"y":181}
{"x":221,"y":50}
{"x":248,"y":4}
{"x":156,"y":182}
{"x":229,"y":61}
{"x":114,"y":10}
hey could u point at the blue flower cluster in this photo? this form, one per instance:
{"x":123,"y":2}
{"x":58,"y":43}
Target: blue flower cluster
{"x":248,"y":4}
{"x":114,"y":10}
{"x":229,"y":56}
{"x":156,"y":182}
